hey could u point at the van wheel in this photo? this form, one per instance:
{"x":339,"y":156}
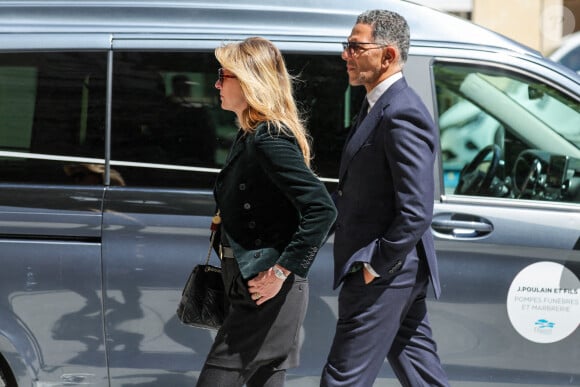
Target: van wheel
{"x":6,"y":377}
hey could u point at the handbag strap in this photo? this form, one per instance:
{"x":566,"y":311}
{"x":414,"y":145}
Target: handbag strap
{"x":215,"y":222}
{"x":211,"y":239}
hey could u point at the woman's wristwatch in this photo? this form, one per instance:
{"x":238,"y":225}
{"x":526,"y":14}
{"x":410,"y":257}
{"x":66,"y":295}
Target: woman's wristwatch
{"x":279,"y":273}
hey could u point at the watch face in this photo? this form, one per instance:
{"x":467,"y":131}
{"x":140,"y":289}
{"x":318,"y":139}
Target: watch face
{"x":279,"y":273}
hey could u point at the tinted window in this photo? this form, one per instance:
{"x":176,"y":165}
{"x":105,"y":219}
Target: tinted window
{"x":52,"y":117}
{"x":572,"y":59}
{"x":533,"y":130}
{"x":168,"y":128}
{"x":166,"y":119}
{"x":329,"y":104}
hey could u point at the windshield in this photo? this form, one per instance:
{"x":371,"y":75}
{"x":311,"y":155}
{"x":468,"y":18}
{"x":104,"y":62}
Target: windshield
{"x":560,"y":114}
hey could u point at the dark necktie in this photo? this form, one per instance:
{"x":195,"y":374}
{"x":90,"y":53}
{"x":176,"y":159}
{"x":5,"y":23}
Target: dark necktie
{"x":359,"y":118}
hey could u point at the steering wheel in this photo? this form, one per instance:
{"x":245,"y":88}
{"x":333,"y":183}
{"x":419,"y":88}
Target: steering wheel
{"x":474,"y":178}
{"x":526,"y":173}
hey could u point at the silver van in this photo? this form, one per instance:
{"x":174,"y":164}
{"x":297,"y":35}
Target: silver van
{"x":111,"y":136}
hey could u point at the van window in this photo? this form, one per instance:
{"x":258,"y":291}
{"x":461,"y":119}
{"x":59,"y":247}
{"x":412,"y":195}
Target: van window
{"x":52,"y":117}
{"x":168,"y":128}
{"x":506,"y":135}
{"x":329,"y":104}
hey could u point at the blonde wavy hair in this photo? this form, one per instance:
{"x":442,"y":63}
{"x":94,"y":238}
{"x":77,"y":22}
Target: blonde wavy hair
{"x":267,"y":86}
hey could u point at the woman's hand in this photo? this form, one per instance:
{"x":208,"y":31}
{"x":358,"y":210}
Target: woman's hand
{"x":265,"y":285}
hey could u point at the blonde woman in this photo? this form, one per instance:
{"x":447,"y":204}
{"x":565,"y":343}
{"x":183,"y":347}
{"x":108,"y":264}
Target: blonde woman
{"x":275,"y":214}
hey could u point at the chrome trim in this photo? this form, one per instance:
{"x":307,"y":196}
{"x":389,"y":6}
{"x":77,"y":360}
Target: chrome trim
{"x":42,"y":156}
{"x":507,"y":202}
{"x":164,"y":166}
{"x":108,"y":115}
{"x":89,"y":160}
{"x":328,"y":179}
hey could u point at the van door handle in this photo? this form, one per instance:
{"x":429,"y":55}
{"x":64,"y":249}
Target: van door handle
{"x":460,"y":226}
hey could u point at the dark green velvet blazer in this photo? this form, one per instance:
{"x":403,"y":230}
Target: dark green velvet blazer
{"x":273,"y":208}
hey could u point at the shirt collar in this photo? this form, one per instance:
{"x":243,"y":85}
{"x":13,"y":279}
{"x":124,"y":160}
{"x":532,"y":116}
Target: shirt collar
{"x":374,"y":95}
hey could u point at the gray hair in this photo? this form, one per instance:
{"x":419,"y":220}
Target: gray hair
{"x":388,"y":28}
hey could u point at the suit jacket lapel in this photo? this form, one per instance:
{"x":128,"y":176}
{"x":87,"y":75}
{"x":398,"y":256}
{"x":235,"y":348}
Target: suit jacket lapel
{"x":360,"y":135}
{"x":358,"y":119}
{"x":366,"y":127}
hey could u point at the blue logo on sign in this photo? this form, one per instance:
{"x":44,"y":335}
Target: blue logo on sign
{"x":544,"y":324}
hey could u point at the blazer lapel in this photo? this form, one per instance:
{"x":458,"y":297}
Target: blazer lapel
{"x":362,"y":132}
{"x":237,"y":147}
{"x":366,"y":127}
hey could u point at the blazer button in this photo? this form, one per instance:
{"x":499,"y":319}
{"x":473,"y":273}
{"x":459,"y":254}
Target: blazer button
{"x":242,"y":187}
{"x":247,"y":206}
{"x":258,"y":242}
{"x":251,"y":224}
{"x":339,"y":192}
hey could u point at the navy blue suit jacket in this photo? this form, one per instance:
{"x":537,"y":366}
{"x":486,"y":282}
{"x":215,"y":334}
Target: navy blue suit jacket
{"x":385,"y":193}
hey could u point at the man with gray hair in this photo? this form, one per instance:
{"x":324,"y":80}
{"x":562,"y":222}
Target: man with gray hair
{"x":384,"y":254}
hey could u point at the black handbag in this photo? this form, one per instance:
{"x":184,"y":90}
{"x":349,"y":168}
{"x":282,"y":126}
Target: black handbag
{"x":203,"y":303}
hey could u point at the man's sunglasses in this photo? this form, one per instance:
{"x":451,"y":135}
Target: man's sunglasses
{"x":355,"y":48}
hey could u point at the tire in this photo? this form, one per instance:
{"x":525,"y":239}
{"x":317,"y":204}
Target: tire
{"x":6,"y":377}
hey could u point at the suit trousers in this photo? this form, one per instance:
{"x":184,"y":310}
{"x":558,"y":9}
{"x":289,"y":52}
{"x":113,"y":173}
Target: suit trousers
{"x":384,"y":319}
{"x":223,"y":377}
